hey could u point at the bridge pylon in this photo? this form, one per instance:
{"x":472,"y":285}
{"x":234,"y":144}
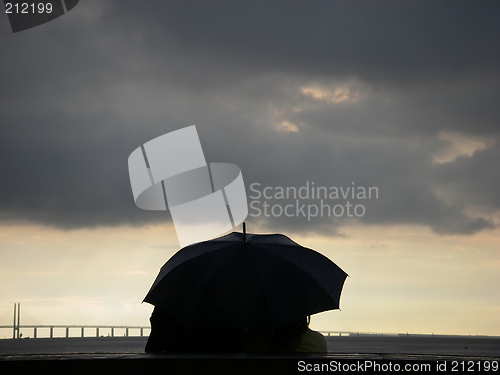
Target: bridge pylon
{"x":17,"y":321}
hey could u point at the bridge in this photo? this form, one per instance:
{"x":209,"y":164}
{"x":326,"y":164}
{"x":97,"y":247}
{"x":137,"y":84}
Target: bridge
{"x":16,"y":329}
{"x":17,"y":326}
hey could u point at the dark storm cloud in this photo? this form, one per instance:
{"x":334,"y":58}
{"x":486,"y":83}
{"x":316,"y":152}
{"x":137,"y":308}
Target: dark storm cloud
{"x":384,"y":40}
{"x":77,"y":101}
{"x":475,"y":179}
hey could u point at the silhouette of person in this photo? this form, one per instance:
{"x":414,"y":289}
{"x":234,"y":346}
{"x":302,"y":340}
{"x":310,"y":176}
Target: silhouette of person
{"x":293,"y":337}
{"x":169,"y":335}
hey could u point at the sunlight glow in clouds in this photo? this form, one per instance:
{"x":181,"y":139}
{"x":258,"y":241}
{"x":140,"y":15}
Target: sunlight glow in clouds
{"x":460,"y":145}
{"x":340,"y":94}
{"x":287,"y":126}
{"x":280,"y":123}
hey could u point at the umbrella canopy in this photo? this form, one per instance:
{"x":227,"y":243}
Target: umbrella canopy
{"x":252,"y":281}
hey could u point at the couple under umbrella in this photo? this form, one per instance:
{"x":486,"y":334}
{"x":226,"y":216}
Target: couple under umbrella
{"x":242,"y":293}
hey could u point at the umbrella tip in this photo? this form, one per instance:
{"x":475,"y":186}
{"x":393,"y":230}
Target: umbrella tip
{"x":244,"y":232}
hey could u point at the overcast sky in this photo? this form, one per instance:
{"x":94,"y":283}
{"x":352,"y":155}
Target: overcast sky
{"x":401,"y":96}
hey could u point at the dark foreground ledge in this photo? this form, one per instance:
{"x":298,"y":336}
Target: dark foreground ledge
{"x":239,"y":364}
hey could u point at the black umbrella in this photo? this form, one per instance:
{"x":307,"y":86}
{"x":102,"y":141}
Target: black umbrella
{"x":246,"y":281}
